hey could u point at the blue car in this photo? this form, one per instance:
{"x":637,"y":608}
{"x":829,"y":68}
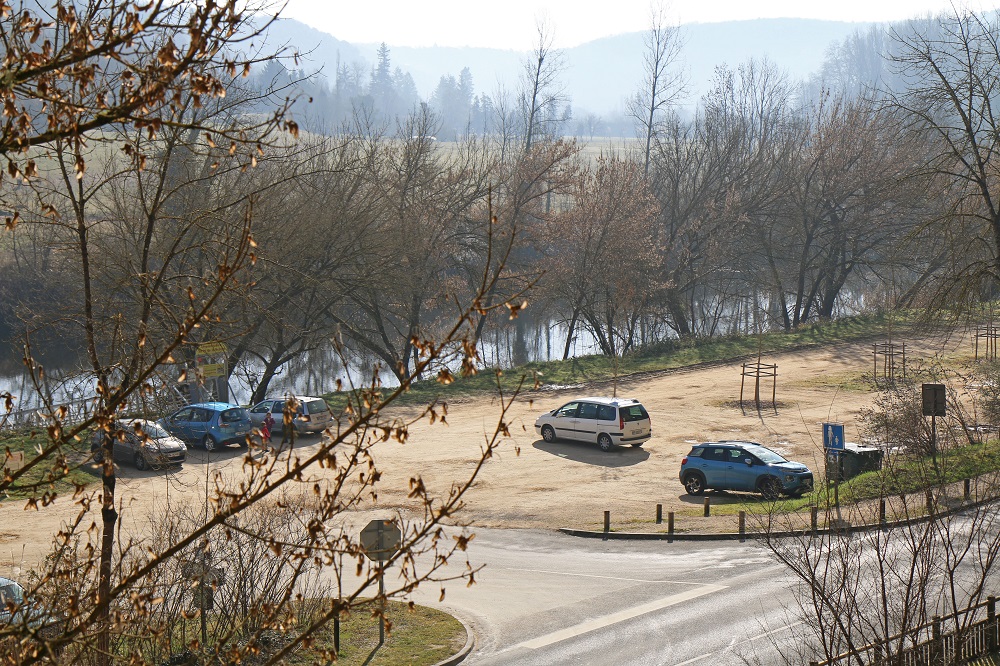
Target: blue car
{"x":744,"y":466}
{"x":210,"y":424}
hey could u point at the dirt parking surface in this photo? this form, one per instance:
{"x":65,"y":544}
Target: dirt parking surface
{"x":533,"y":484}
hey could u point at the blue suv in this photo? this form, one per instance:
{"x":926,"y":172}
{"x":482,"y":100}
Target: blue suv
{"x":210,"y":424}
{"x":745,"y":466}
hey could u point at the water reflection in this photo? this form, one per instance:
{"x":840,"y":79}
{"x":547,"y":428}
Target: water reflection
{"x":317,"y":371}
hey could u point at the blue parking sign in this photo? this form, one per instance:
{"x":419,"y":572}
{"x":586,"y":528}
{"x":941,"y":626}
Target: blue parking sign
{"x":833,"y":436}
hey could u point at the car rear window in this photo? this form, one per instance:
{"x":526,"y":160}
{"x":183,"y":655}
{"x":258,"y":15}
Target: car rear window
{"x":316,"y":406}
{"x":697,"y":451}
{"x":633,"y":413}
{"x":234,"y":414}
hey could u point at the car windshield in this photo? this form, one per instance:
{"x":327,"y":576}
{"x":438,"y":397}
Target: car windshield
{"x":153,"y":431}
{"x":766,"y":455}
{"x":316,"y":406}
{"x":10,"y":593}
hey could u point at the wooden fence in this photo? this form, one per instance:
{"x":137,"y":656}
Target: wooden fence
{"x":928,"y":645}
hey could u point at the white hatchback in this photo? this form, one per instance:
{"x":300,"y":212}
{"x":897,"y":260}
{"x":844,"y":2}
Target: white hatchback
{"x":604,"y":421}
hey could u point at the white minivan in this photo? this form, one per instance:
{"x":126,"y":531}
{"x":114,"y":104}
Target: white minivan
{"x":604,"y":421}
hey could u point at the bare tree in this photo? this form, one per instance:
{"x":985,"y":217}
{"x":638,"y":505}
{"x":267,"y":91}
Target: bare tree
{"x":541,"y":93}
{"x":948,"y":71}
{"x":660,"y":88}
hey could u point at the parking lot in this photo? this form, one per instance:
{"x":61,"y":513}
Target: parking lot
{"x":535,"y":484}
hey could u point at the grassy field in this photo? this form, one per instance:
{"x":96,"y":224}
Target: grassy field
{"x":419,"y":636}
{"x":667,"y":355}
{"x":58,"y":474}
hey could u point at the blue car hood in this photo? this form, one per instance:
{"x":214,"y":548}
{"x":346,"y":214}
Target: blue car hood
{"x":791,"y":467}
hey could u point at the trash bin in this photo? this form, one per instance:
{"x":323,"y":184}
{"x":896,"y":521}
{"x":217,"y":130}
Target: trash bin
{"x":853,"y":460}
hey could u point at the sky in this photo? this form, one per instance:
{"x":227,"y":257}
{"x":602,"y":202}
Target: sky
{"x":511,"y":24}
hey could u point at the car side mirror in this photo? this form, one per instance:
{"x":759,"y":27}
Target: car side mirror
{"x":748,"y":461}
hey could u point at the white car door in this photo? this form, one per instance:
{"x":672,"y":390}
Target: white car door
{"x":565,"y":421}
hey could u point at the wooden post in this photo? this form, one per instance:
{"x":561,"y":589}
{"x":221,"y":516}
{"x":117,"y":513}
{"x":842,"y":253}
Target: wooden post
{"x":814,"y":519}
{"x":708,"y":507}
{"x":659,"y":514}
{"x":743,"y":526}
{"x":991,"y":615}
{"x":937,"y":645}
{"x":930,"y":503}
{"x":881,"y":512}
{"x":607,"y":522}
{"x":967,"y":490}
{"x":670,"y":527}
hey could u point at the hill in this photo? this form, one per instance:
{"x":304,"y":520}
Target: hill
{"x":599,"y":74}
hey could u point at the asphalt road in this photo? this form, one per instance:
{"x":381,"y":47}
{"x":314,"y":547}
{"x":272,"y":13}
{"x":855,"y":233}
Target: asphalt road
{"x":548,"y":598}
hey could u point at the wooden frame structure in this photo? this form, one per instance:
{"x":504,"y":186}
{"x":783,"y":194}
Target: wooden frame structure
{"x":757,"y":370}
{"x":989,"y":334}
{"x":891,"y":356}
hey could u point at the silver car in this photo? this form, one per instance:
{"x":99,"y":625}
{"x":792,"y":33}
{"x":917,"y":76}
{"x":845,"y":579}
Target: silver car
{"x":603,"y":421}
{"x":312,"y":415}
{"x":145,"y":444}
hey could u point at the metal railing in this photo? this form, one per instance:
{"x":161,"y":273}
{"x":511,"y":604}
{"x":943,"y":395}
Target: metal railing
{"x":929,"y":645}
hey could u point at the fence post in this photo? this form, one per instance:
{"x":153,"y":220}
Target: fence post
{"x":607,"y":522}
{"x":743,"y":526}
{"x":659,"y":514}
{"x":991,"y":614}
{"x":937,"y":642}
{"x":814,"y":519}
{"x":881,"y":513}
{"x":967,"y":490}
{"x":708,"y":507}
{"x":930,"y":503}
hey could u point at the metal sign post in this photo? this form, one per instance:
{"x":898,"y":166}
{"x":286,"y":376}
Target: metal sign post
{"x":380,"y":540}
{"x":833,"y":447}
{"x":934,"y":405}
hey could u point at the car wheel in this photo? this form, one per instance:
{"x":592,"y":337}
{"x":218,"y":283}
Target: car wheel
{"x":694,"y":483}
{"x":770,"y":488}
{"x":604,"y":441}
{"x":209,"y":443}
{"x":548,"y":434}
{"x":140,"y":461}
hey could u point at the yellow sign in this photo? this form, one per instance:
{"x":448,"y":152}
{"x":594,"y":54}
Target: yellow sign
{"x":211,"y":348}
{"x":210,"y":370}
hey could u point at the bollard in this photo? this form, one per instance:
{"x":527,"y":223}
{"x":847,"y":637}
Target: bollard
{"x":881,"y":512}
{"x":607,"y":522}
{"x":336,"y":633}
{"x":814,"y":519}
{"x":743,"y":526}
{"x":968,"y":490}
{"x":659,"y":514}
{"x":708,"y":507}
{"x":670,"y":527}
{"x":930,"y":503}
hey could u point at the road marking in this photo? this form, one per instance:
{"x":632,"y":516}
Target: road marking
{"x":615,"y":618}
{"x":691,"y":661}
{"x":583,"y":575}
{"x":774,"y":631}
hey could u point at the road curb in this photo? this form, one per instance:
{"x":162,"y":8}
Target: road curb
{"x":459,"y":657}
